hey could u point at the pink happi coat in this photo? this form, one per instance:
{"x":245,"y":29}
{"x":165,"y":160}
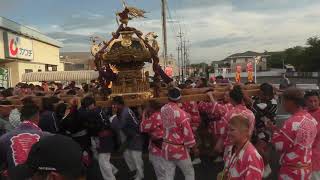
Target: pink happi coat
{"x":294,"y":141}
{"x":191,"y":107}
{"x":241,"y":110}
{"x":316,"y":143}
{"x":246,"y":165}
{"x":178,"y":134}
{"x":215,"y":112}
{"x":153,"y":126}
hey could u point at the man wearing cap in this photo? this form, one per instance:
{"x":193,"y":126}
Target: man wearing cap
{"x":178,"y":137}
{"x":125,"y":121}
{"x":63,"y":162}
{"x":15,"y":145}
{"x":295,"y":139}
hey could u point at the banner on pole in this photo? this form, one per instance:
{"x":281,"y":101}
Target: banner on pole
{"x":238,"y":72}
{"x":250,"y":72}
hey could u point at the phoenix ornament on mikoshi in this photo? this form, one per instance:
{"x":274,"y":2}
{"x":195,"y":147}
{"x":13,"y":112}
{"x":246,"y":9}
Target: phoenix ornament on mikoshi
{"x":129,"y":13}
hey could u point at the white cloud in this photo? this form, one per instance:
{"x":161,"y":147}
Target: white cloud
{"x":267,"y":31}
{"x":54,"y":26}
{"x":76,"y":47}
{"x":215,"y":31}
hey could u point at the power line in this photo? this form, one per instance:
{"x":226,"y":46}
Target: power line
{"x":182,"y":23}
{"x":176,"y":14}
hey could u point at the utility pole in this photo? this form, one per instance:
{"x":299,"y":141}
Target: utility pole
{"x":181,"y":55}
{"x":164,"y":31}
{"x":187,"y":58}
{"x":179,"y":72}
{"x":184,"y":57}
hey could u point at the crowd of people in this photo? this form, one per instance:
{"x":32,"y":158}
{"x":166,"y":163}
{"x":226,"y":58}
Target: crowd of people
{"x":60,"y":140}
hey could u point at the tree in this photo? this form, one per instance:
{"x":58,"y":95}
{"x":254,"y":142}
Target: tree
{"x":276,"y":60}
{"x":313,"y":42}
{"x":312,"y":55}
{"x":294,"y":56}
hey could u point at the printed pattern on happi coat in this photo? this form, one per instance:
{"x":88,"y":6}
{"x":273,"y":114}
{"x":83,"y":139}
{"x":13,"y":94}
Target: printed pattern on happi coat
{"x":215,"y":111}
{"x":16,"y":144}
{"x":153,"y":126}
{"x":236,"y":111}
{"x":261,"y":110}
{"x":178,"y":134}
{"x":264,"y":109}
{"x":294,"y":141}
{"x":191,"y":107}
{"x":316,"y":143}
{"x":248,"y":165}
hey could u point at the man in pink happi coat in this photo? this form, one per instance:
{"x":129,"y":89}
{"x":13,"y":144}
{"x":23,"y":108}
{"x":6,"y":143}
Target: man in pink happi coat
{"x":237,"y":100}
{"x":178,"y":137}
{"x":215,"y":111}
{"x":152,"y":124}
{"x":191,"y":107}
{"x":313,"y":107}
{"x":295,"y":139}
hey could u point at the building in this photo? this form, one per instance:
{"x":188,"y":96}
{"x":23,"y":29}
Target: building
{"x":242,"y":59}
{"x":24,"y":50}
{"x":77,"y":61}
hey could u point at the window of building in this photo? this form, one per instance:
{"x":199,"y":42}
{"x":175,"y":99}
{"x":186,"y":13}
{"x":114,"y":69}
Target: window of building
{"x":50,"y":67}
{"x":28,"y":70}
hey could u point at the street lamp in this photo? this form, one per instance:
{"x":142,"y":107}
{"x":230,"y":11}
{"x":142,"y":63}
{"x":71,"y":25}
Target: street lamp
{"x":257,"y":59}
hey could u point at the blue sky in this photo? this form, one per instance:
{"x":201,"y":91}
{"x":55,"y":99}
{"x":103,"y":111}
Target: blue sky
{"x":214,"y":28}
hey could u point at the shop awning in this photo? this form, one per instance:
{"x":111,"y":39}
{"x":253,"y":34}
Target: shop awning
{"x":60,"y":76}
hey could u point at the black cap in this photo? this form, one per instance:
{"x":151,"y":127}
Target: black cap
{"x":52,"y":153}
{"x":174,"y":94}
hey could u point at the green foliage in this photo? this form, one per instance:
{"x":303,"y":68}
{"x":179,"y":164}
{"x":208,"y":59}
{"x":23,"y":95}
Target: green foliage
{"x":276,"y":60}
{"x":312,"y":54}
{"x":303,"y":58}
